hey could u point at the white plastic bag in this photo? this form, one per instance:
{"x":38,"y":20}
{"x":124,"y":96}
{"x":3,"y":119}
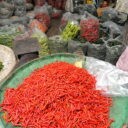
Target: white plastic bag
{"x":123,"y":61}
{"x":69,"y":6}
{"x":110,"y":79}
{"x":122,"y":6}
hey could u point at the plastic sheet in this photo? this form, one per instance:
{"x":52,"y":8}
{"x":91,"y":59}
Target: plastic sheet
{"x":113,"y":81}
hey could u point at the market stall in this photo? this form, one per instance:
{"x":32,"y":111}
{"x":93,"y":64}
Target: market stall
{"x":68,"y":64}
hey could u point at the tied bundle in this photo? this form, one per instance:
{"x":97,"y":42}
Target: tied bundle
{"x":58,"y":95}
{"x":90,"y":29}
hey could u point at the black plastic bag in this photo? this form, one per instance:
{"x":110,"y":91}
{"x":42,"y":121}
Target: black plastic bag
{"x":74,"y":46}
{"x":114,"y":49}
{"x":97,"y":49}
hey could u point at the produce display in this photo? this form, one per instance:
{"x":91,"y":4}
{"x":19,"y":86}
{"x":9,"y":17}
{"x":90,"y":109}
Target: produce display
{"x":43,"y":18}
{"x":8,"y":33}
{"x":57,"y":95}
{"x":1,"y":66}
{"x":90,"y":29}
{"x":57,"y":45}
{"x":44,"y":50}
{"x":70,"y":31}
{"x":37,"y":24}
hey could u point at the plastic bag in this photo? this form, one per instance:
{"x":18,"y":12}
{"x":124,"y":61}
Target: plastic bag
{"x":7,"y":33}
{"x":5,"y":13}
{"x":69,"y":6}
{"x":90,"y":8}
{"x":121,"y":18}
{"x":109,"y":14}
{"x":20,"y":20}
{"x":56,"y":13}
{"x":5,"y":22}
{"x":122,"y":6}
{"x":29,"y":6}
{"x":73,"y":46}
{"x":69,"y":17}
{"x":39,"y":2}
{"x":41,"y":9}
{"x":43,"y":40}
{"x":111,"y":80}
{"x":122,"y":63}
{"x":87,"y":15}
{"x":97,"y":49}
{"x":70,"y":31}
{"x":90,"y":29}
{"x":30,"y":15}
{"x":114,"y":49}
{"x":57,"y":45}
{"x":42,"y":15}
{"x":19,"y":2}
{"x":20,"y":11}
{"x":7,"y":4}
{"x":114,"y":30}
{"x":36,"y":24}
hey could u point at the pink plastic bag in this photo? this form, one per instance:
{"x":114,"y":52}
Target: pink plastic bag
{"x":123,"y":61}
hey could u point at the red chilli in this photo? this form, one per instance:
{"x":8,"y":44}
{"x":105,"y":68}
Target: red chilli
{"x":58,"y":95}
